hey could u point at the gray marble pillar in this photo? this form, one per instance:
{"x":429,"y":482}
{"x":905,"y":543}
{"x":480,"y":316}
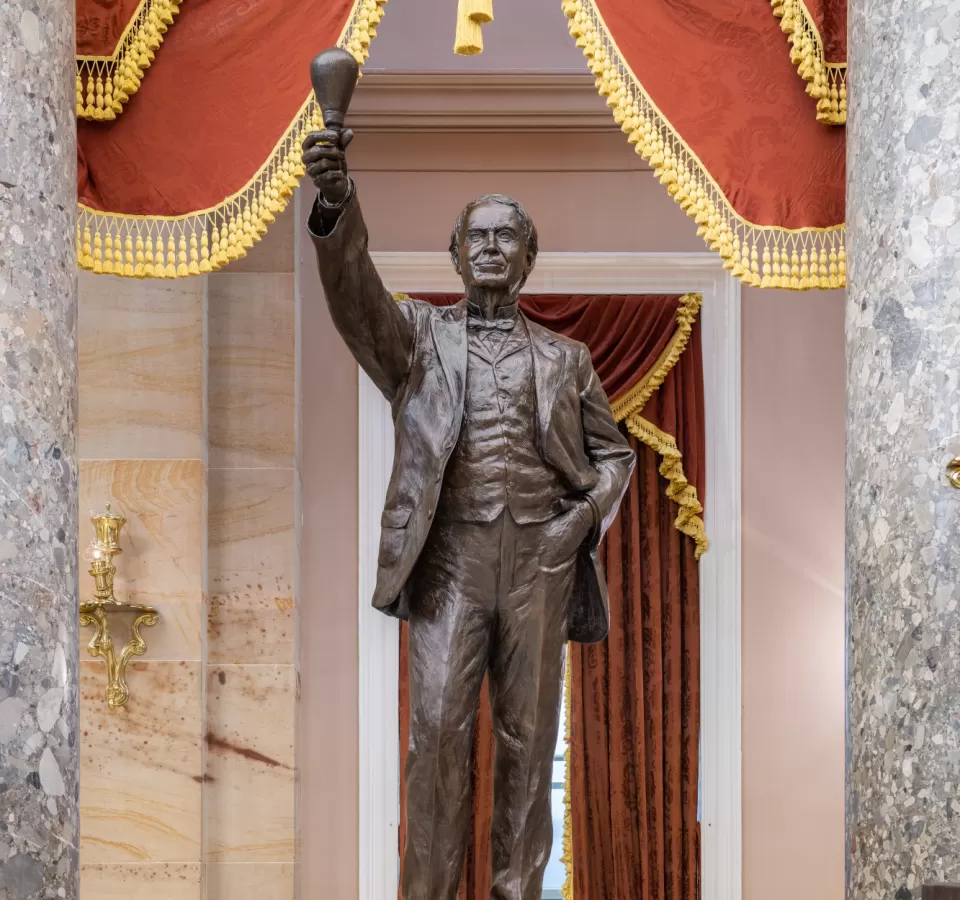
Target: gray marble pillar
{"x":39,"y":768}
{"x":903,"y":427}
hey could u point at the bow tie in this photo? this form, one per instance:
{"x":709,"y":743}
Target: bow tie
{"x":480,"y":324}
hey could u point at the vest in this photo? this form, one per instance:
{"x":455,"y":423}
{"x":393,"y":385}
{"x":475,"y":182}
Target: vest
{"x":496,"y":463}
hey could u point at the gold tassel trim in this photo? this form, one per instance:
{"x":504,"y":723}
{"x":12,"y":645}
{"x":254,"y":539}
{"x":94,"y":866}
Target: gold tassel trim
{"x":471,"y":14}
{"x":689,"y":520}
{"x":106,"y":83}
{"x":826,"y":81}
{"x":759,"y":255}
{"x":206,"y":240}
{"x":566,"y":855}
{"x":636,"y":397}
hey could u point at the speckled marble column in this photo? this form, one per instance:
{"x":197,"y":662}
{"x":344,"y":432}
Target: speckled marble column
{"x":903,"y":427}
{"x":38,"y":472}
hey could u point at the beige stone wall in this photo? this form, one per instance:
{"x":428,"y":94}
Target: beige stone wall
{"x":187,"y":426}
{"x":251,"y":665}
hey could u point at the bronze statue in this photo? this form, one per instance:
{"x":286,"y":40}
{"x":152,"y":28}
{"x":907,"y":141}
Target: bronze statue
{"x":508,"y":469}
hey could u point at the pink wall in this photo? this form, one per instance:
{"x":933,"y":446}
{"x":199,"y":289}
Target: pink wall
{"x":588,"y":192}
{"x":793,"y":609}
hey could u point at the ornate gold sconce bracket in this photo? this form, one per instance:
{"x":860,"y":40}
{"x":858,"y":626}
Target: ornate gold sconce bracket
{"x":98,"y":612}
{"x":953,"y":471}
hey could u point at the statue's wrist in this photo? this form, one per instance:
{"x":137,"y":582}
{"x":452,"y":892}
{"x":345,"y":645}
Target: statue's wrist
{"x":340,"y":204}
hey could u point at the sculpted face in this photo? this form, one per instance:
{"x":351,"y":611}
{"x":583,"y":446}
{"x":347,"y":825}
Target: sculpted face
{"x":493,"y":251}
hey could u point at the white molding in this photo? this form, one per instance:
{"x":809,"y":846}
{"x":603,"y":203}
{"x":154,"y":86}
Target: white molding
{"x":515,"y":102}
{"x":603,"y":273}
{"x":379,"y":662}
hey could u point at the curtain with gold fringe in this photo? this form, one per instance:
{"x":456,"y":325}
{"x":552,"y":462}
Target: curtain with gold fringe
{"x":116,"y":42}
{"x":646,"y":350}
{"x":817,"y":35}
{"x":193,"y":172}
{"x":706,"y":95}
{"x":197,"y":167}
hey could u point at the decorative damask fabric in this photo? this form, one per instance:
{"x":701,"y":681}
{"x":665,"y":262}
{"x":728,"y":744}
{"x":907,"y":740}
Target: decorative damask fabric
{"x":101,"y":24}
{"x":116,"y":43}
{"x":194,"y":171}
{"x":635,"y":711}
{"x":640,"y":687}
{"x":706,"y":94}
{"x":817,"y":35}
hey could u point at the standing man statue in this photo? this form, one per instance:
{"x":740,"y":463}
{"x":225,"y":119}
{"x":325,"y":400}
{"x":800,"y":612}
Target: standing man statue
{"x":507,"y":471}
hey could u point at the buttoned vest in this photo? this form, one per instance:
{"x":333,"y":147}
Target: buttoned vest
{"x":496,"y":463}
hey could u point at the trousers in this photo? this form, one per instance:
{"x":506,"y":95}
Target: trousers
{"x":483,"y":602}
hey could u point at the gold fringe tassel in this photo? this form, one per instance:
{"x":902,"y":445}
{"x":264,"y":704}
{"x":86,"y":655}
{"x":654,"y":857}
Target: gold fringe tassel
{"x":566,"y":856}
{"x":759,"y":255}
{"x":105,"y":83}
{"x":201,"y":242}
{"x":826,"y":81}
{"x":634,"y":399}
{"x":471,"y":14}
{"x":684,"y":494}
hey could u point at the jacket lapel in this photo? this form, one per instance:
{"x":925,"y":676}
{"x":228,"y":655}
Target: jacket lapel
{"x":549,"y":360}
{"x":450,"y":338}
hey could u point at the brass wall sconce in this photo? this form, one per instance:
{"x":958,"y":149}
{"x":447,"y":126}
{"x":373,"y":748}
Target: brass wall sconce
{"x":953,"y":471}
{"x":98,"y":612}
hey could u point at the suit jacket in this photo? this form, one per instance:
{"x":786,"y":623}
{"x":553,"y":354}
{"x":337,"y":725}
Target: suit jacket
{"x":416,"y":354}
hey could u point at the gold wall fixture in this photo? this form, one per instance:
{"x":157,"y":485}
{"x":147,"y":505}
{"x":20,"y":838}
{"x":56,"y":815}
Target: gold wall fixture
{"x":953,"y":471}
{"x":97,"y":613}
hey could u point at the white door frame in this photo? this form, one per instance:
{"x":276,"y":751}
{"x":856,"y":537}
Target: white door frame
{"x":601,"y":273}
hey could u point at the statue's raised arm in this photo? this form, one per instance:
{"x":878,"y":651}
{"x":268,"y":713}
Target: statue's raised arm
{"x":373,"y":326}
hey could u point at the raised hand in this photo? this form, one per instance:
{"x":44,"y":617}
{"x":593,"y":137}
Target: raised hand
{"x":324,"y":156}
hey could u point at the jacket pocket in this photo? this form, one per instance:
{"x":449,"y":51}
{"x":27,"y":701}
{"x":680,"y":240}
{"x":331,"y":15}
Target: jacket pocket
{"x":393,"y":534}
{"x":395,"y":517}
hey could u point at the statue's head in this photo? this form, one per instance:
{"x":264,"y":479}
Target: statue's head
{"x":493,"y":244}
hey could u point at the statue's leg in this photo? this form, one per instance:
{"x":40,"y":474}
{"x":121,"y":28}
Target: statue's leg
{"x":526,"y":687}
{"x":450,"y":626}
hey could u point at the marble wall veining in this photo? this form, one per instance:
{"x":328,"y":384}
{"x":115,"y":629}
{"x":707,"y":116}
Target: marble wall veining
{"x":903,"y":426}
{"x":142,"y":448}
{"x":251,"y":779}
{"x":38,"y":453}
{"x":187,"y":427}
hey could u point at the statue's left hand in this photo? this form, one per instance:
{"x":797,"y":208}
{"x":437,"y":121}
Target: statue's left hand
{"x":567,"y":532}
{"x":324,"y":155}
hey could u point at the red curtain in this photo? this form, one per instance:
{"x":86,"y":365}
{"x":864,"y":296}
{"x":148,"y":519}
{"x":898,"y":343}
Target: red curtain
{"x":635,"y":697}
{"x":636,"y":711}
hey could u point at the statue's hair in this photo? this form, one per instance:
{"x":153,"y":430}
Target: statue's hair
{"x":526,"y":223}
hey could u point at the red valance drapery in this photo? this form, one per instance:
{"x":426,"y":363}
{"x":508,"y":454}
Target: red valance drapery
{"x":646,"y":350}
{"x":706,"y":95}
{"x":817,"y":32}
{"x":116,"y":40}
{"x":193,"y":172}
{"x":196,"y":168}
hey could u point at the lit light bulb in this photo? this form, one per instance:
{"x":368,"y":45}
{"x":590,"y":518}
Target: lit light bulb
{"x":94,"y":552}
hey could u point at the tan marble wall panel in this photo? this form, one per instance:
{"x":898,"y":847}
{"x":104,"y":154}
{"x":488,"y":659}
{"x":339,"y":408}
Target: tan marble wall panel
{"x":274,"y":252}
{"x":141,"y":364}
{"x":250,"y":881}
{"x":141,"y":768}
{"x":162,"y":541}
{"x":252,"y":557}
{"x":142,"y":881}
{"x":250,"y":779}
{"x":251,"y":372}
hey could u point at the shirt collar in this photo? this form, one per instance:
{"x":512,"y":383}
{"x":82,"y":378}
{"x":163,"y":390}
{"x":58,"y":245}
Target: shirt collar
{"x":510,"y":311}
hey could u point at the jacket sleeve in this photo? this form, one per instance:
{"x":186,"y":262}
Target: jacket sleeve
{"x":374,"y":327}
{"x":606,"y":448}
